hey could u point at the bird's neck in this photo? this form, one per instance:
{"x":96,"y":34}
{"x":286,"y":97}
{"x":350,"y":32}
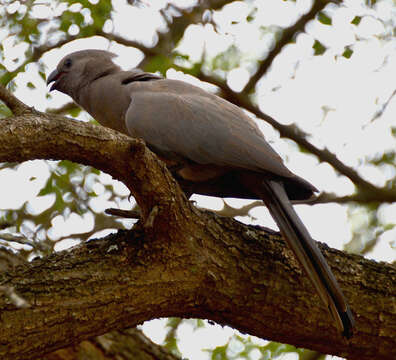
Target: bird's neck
{"x":94,"y":74}
{"x":106,"y":100}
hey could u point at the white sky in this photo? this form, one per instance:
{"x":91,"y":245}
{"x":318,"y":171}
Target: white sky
{"x":330,"y":96}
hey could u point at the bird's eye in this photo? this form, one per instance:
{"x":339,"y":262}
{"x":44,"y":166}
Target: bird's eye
{"x":68,"y":63}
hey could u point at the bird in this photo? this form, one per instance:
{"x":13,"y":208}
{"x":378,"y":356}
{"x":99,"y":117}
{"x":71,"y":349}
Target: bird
{"x":211,"y":146}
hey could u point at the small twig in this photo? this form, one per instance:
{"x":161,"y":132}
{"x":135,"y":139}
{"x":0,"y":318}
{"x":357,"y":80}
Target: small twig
{"x":63,"y":109}
{"x":230,"y":211}
{"x":383,"y":108}
{"x":23,"y":240}
{"x":17,"y":239}
{"x":130,"y":43}
{"x":128,"y":214}
{"x":362,"y":196}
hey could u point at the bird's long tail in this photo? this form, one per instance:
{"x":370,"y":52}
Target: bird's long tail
{"x":308,"y":254}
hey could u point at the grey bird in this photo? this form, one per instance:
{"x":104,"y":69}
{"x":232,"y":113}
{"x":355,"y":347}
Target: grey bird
{"x":210,"y":145}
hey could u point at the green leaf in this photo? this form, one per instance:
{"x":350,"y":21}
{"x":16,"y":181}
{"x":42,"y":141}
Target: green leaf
{"x":227,"y":60}
{"x":75,"y":111}
{"x":199,"y":324}
{"x":171,"y":345}
{"x":386,"y":158}
{"x":356,"y":20}
{"x":6,"y":78}
{"x":95,"y":171}
{"x":173,"y":322}
{"x":42,"y":75}
{"x":47,"y":189}
{"x":251,"y":16}
{"x":30,"y":85}
{"x":66,"y":21}
{"x":29,"y":27}
{"x":319,"y":48}
{"x":347,"y":52}
{"x":220,"y":353}
{"x":388,"y":227}
{"x":69,"y":166}
{"x":4,"y":111}
{"x":78,"y":18}
{"x":9,"y":217}
{"x":100,"y":13}
{"x":159,"y":63}
{"x":60,"y":204}
{"x":324,"y":19}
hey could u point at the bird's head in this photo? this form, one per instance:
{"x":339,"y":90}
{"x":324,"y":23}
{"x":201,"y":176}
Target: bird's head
{"x":80,"y":68}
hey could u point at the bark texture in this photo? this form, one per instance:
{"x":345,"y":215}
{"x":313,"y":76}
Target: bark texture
{"x":130,"y":344}
{"x":178,"y":261}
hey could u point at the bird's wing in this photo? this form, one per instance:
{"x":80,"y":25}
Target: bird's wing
{"x":176,"y":117}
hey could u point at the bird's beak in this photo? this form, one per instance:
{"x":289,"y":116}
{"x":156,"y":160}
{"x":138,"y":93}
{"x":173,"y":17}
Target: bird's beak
{"x":54,"y":77}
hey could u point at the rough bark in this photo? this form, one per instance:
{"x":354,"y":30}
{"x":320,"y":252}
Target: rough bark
{"x":125,"y":344}
{"x":178,"y":261}
{"x":130,"y":344}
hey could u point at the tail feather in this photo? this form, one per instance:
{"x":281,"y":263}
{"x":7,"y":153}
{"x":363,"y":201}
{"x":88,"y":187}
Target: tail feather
{"x":308,"y":254}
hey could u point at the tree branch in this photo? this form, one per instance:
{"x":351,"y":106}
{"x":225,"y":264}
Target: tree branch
{"x":363,"y":196}
{"x":36,"y":54}
{"x":16,"y":106}
{"x":294,"y":133}
{"x":111,"y":346}
{"x":64,"y":109}
{"x":115,"y":345}
{"x":178,"y":261}
{"x":248,"y":280}
{"x":287,"y":36}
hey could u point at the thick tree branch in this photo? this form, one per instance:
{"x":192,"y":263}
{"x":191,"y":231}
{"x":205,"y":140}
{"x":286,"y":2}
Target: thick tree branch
{"x":249,"y":281}
{"x":116,"y":154}
{"x":115,"y":345}
{"x":178,"y":261}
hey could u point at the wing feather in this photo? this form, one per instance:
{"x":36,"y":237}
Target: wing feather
{"x":199,"y":126}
